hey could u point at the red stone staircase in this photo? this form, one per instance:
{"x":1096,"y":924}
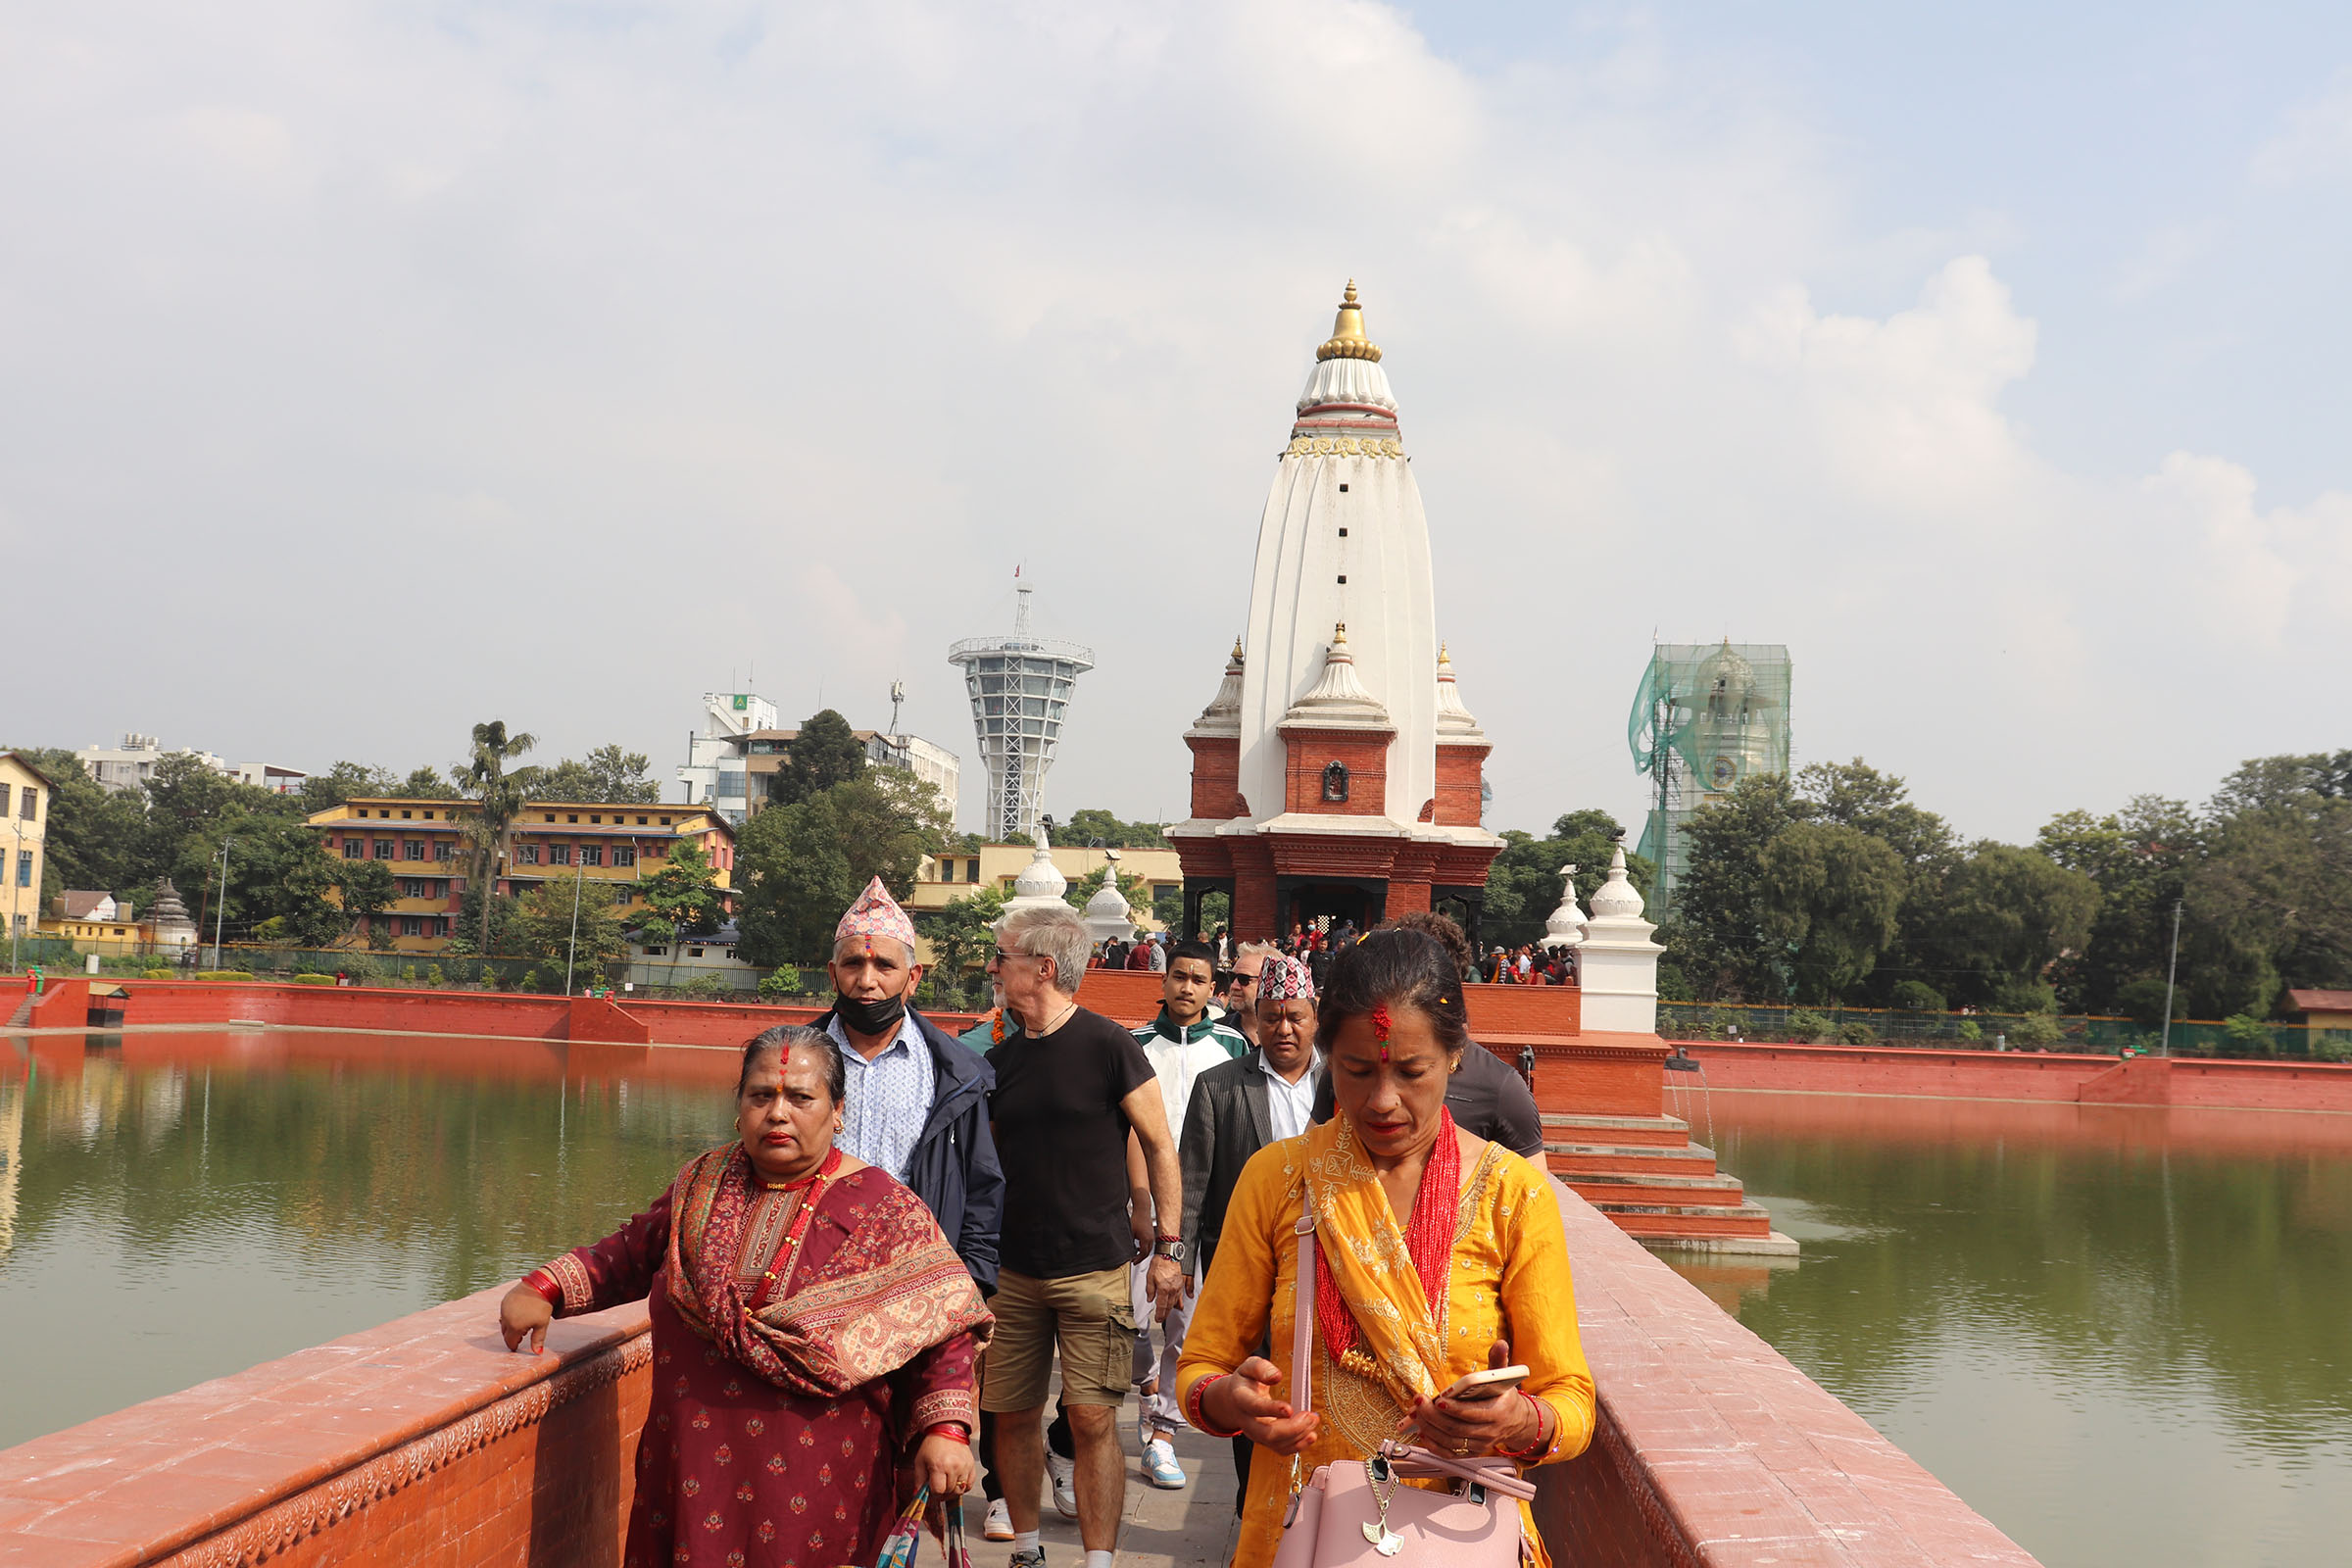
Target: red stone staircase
{"x":1649,"y":1178}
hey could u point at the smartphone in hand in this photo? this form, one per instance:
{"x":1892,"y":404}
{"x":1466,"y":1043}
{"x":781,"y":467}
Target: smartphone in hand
{"x":1489,"y":1385}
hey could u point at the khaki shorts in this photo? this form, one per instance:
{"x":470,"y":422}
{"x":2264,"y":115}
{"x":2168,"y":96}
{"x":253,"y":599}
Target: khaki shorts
{"x":1086,"y":1316}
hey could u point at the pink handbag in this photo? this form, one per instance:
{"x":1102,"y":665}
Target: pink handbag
{"x":1356,"y":1514}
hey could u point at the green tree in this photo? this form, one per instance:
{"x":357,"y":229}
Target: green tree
{"x":345,"y":781}
{"x":1523,"y":885}
{"x":1093,"y":825}
{"x":95,"y":837}
{"x":1716,"y":936}
{"x":498,"y":797}
{"x":2007,"y":916}
{"x":802,"y":864}
{"x":544,"y":922}
{"x":422,"y":784}
{"x":1829,"y":898}
{"x":825,"y":754}
{"x":961,"y":937}
{"x":609,"y":775}
{"x":2141,"y":859}
{"x":363,"y":889}
{"x":682,"y":896}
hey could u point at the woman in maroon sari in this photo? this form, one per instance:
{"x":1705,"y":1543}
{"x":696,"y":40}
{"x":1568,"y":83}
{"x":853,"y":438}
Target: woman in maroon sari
{"x":814,"y":1336}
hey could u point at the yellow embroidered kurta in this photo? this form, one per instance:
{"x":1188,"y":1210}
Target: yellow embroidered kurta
{"x":1510,"y":1281}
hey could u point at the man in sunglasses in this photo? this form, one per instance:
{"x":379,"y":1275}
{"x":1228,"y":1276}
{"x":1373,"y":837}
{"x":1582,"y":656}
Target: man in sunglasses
{"x":1241,"y":987}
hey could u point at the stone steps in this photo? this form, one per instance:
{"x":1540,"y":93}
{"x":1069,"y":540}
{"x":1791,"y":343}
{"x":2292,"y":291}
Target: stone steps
{"x":1575,"y":1160}
{"x":1670,"y":1132}
{"x":1710,"y":1191}
{"x":1667,"y":1221}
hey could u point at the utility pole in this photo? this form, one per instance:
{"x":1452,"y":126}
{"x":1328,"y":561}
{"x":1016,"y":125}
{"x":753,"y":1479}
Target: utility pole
{"x":2172,"y":966}
{"x":220,"y":909}
{"x":572,"y":952}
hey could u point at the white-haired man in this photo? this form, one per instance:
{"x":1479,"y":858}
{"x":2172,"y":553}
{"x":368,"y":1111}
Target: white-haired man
{"x":917,"y":1102}
{"x":1071,"y":1085}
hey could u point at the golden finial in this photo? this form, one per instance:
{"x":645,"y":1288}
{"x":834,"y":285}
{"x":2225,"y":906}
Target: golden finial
{"x":1339,"y":636}
{"x":1237,"y":648}
{"x":1347,"y":340}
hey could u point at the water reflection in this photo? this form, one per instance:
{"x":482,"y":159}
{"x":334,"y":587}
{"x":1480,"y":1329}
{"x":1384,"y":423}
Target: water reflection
{"x":2122,"y":1334}
{"x":177,"y":1206}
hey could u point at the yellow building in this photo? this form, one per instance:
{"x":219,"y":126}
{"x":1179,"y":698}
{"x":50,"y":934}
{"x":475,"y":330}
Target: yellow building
{"x":94,"y":922}
{"x":942,"y":879}
{"x":425,"y":841}
{"x":24,"y":795}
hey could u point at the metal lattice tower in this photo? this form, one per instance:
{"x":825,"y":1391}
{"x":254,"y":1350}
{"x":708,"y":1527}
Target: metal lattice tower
{"x":1020,"y":689}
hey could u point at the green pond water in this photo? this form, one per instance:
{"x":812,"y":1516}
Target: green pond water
{"x":2125,"y":1336}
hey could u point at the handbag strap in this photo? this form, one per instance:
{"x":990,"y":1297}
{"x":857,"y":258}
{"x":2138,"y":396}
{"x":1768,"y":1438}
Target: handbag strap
{"x":1491,"y":1471}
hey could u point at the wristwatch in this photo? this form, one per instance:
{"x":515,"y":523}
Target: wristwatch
{"x":1170,"y":1248}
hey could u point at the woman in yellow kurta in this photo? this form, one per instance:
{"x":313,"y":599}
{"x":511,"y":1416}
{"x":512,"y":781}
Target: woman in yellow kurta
{"x":1438,"y":1253}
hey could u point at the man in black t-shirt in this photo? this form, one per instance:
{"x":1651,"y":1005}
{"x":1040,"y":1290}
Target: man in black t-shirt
{"x":1070,"y":1087}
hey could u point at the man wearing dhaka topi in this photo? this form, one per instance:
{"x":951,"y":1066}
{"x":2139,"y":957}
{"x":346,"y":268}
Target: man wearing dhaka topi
{"x":918,"y":1098}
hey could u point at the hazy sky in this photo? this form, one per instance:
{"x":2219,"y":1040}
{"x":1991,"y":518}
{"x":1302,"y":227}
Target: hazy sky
{"x":366,"y":371}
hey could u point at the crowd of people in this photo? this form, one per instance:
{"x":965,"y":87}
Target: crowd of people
{"x":861,"y":1302}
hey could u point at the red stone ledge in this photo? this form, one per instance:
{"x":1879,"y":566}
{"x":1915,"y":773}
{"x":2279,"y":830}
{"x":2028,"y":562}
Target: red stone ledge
{"x":1911,"y":1071}
{"x":423,"y":1440}
{"x":1712,"y":1451}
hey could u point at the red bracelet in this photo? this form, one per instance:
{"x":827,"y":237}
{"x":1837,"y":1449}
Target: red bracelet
{"x":1195,"y":1407}
{"x":541,"y":1281}
{"x":1541,"y":1446}
{"x":950,"y":1430}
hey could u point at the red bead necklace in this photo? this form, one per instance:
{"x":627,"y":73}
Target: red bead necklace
{"x":1428,"y":1242}
{"x":812,"y":1189}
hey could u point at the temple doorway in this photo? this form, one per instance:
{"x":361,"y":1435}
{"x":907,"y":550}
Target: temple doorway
{"x":1325,"y":903}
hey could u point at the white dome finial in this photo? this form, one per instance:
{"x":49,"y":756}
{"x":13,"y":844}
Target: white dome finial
{"x":1566,"y":927}
{"x":1108,"y":914}
{"x":1615,"y":899}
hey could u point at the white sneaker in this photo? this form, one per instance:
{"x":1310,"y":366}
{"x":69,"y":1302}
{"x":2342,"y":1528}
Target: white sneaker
{"x":999,"y":1524}
{"x":1065,"y":1483}
{"x":1160,"y":1468}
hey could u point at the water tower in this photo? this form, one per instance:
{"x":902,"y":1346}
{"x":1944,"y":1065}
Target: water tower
{"x":1020,"y":689}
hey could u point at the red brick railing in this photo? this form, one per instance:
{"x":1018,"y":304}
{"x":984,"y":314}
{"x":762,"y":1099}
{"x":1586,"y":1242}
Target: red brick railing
{"x":425,"y":1443}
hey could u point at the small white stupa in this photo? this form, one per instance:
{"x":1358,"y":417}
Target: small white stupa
{"x":1618,"y":963}
{"x":1039,"y":883}
{"x":1565,"y":928}
{"x":1107,"y":915}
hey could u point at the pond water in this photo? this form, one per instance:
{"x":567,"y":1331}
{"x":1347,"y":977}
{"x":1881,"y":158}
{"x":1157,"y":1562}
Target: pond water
{"x":2122,"y":1335}
{"x":179,"y":1207}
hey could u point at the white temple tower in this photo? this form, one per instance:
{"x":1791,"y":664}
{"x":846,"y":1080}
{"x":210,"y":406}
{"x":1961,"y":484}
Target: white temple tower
{"x":1336,"y":773}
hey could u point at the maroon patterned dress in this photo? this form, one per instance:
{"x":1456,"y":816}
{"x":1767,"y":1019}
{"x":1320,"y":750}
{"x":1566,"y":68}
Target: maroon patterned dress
{"x":781,"y":1410}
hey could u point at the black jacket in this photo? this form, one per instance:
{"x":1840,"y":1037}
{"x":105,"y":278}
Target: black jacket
{"x":954,"y":1167}
{"x":1488,"y":1098}
{"x":1225,"y":1122}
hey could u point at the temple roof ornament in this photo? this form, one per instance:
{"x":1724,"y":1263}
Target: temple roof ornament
{"x":1348,"y":389}
{"x":1223,"y":714}
{"x":1339,"y":701}
{"x":1347,"y":340}
{"x":1565,"y":927}
{"x":165,"y":908}
{"x":1039,"y":883}
{"x":1107,"y":913}
{"x":1615,"y":899}
{"x":1456,"y":725}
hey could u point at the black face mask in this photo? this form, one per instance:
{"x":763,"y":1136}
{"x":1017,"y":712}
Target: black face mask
{"x":870,"y":1017}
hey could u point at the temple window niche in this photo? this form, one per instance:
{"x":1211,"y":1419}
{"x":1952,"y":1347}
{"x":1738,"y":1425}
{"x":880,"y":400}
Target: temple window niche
{"x":1335,"y":781}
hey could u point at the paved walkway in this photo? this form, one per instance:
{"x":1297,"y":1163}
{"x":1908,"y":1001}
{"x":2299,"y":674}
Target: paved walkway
{"x":1189,"y":1529}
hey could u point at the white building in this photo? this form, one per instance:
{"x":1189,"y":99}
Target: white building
{"x":133,"y":763}
{"x":713,"y":770}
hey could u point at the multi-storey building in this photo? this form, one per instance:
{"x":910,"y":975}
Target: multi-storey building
{"x":761,"y":754}
{"x":425,"y":841}
{"x":133,"y":763}
{"x":25,"y":792}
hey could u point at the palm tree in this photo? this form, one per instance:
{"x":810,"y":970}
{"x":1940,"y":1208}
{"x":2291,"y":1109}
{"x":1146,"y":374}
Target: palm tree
{"x":500,"y":797}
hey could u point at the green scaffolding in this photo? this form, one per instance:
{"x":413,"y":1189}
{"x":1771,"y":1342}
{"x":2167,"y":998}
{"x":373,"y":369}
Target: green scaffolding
{"x":1705,"y":716}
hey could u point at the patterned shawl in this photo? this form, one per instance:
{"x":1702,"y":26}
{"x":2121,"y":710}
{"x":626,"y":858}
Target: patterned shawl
{"x":892,"y":1290}
{"x":1363,"y":1249}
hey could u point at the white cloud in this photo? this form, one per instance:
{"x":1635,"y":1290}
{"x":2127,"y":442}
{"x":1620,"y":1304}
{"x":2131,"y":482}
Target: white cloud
{"x":559,"y":363}
{"x":2314,"y":140}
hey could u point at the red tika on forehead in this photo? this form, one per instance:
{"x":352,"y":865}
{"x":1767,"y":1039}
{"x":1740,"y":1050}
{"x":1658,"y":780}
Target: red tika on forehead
{"x":1381,"y":1023}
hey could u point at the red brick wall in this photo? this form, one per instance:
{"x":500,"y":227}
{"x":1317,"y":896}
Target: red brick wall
{"x":1366,"y":757}
{"x":2026,"y":1075}
{"x":1460,"y":769}
{"x":420,"y":1441}
{"x":1216,"y":778}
